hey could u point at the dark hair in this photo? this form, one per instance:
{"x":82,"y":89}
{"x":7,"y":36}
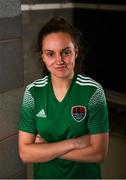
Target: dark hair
{"x":59,"y":24}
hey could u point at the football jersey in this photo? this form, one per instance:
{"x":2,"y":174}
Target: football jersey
{"x":82,"y":111}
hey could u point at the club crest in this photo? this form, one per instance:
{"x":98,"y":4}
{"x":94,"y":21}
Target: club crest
{"x":78,"y":112}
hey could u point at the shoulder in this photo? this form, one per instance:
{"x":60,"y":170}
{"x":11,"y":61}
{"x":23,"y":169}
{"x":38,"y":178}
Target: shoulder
{"x":39,"y":83}
{"x":93,"y":89}
{"x":85,"y":81}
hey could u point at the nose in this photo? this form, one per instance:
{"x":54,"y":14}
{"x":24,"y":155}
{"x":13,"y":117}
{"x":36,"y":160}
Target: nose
{"x":59,"y":59}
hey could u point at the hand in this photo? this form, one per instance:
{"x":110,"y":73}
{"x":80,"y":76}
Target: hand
{"x":39,"y":139}
{"x":82,"y":141}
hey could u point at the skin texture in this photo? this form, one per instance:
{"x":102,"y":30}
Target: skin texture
{"x":59,"y":55}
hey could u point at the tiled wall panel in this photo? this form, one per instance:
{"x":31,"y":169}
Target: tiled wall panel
{"x":9,"y":158}
{"x":9,"y":112}
{"x":10,"y":28}
{"x":11,"y":78}
{"x":11,"y":65}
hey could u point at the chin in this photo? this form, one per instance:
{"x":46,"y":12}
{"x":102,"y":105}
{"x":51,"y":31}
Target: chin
{"x":61,"y":75}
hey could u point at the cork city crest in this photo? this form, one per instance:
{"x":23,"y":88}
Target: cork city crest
{"x":78,"y":112}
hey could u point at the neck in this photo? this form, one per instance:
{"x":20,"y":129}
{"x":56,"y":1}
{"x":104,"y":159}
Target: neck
{"x":60,"y":86}
{"x":61,"y":82}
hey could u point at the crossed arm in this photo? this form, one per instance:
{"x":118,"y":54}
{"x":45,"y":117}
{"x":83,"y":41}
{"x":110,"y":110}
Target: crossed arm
{"x":89,"y":148}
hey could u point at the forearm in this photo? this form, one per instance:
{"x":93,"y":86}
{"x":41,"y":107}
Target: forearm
{"x":42,"y":151}
{"x":96,"y":151}
{"x":39,"y":150}
{"x":45,"y":151}
{"x":86,"y":154}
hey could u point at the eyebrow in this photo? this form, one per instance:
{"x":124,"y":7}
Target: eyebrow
{"x":49,"y":50}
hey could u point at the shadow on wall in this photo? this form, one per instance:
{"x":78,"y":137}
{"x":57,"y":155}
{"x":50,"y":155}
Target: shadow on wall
{"x":115,"y":164}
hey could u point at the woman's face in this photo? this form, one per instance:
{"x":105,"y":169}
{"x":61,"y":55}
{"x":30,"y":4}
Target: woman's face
{"x":59,"y":54}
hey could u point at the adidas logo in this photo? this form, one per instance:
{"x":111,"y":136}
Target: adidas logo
{"x":41,"y":114}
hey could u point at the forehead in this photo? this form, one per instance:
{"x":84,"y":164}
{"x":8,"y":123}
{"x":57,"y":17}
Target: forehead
{"x":57,"y":40}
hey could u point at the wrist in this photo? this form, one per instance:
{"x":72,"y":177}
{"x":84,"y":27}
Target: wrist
{"x":79,"y":144}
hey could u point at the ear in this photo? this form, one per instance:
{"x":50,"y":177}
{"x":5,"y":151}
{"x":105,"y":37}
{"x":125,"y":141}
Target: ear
{"x":42,"y":56}
{"x":76,"y":52}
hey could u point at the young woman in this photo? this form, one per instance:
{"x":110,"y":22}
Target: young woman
{"x":64,"y":120}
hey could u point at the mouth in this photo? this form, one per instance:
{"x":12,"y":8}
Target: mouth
{"x":60,"y":68}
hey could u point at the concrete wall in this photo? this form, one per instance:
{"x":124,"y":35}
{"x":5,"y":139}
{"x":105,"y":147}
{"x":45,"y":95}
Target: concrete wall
{"x":115,"y":165}
{"x":11,"y":83}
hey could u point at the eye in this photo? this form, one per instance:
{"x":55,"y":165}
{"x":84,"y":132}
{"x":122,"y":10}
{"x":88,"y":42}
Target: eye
{"x":66,"y":52}
{"x":50,"y":54}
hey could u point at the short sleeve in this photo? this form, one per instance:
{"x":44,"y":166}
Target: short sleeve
{"x":98,"y":113}
{"x":27,"y":114}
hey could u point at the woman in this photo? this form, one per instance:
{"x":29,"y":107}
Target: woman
{"x":64,"y":121}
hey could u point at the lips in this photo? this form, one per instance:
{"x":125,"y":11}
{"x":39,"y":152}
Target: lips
{"x":60,"y":68}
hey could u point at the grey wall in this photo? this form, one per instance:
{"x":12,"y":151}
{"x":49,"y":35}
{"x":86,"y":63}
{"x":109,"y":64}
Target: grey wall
{"x":11,"y":88}
{"x":115,"y":165}
{"x":11,"y":66}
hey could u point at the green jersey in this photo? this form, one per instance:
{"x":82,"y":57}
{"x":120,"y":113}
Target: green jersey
{"x":82,"y":111}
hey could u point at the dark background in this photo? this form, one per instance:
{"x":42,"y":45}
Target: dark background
{"x":105,"y":34}
{"x":121,"y":2}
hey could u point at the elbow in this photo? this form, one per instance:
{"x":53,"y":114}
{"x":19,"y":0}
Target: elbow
{"x":101,"y":157}
{"x":23,"y":157}
{"x":104,"y":154}
{"x":26,"y":157}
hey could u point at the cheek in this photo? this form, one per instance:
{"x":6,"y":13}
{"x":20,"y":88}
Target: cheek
{"x":70,"y":61}
{"x":47,"y":63}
